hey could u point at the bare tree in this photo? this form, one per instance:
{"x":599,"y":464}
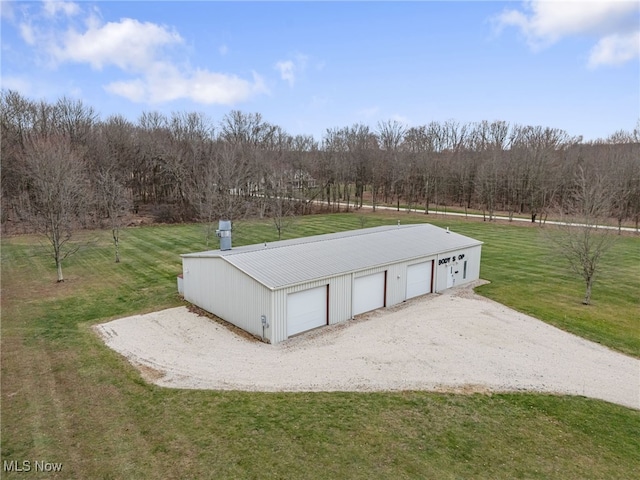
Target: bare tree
{"x":391,"y":135}
{"x":302,"y":158}
{"x":489,"y":140}
{"x":74,"y":120}
{"x":625,"y":179}
{"x":581,"y":240}
{"x":245,"y":129}
{"x":112,"y":200}
{"x":332,"y":167}
{"x":184,"y":168}
{"x":418,"y":145}
{"x":205,"y":193}
{"x":282,"y":213}
{"x":16,"y":122}
{"x":361,"y":146}
{"x":150,"y":181}
{"x":56,"y":185}
{"x":217,"y":188}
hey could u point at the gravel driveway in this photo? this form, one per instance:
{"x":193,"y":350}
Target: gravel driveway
{"x":455,"y":341}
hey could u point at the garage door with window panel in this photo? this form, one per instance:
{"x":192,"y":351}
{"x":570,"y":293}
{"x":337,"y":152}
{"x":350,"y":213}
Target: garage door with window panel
{"x":419,"y":278}
{"x":306,"y":310}
{"x":369,"y":292}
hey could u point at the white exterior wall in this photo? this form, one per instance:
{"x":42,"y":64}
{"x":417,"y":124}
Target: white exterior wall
{"x":397,"y":278}
{"x":340,"y":295}
{"x":471,"y":255}
{"x":339,"y":303}
{"x":218,"y":287}
{"x":225,"y":291}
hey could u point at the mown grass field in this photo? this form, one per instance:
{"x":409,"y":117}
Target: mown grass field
{"x":67,"y":398}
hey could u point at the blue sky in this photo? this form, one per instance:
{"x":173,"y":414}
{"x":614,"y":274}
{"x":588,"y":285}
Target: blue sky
{"x":309,"y":66}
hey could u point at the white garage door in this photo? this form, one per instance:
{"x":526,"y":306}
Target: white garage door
{"x":419,"y":279}
{"x":306,"y":310}
{"x":368,"y":293}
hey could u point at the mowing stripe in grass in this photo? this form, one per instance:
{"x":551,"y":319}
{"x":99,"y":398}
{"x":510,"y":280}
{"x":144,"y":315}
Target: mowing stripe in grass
{"x":68,"y":398}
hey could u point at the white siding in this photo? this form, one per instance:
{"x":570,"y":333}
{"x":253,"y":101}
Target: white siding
{"x":396,"y":283}
{"x":454,"y":261}
{"x":340,"y":299}
{"x":219,"y":288}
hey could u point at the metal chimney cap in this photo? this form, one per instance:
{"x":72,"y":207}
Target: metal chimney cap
{"x":224,"y":234}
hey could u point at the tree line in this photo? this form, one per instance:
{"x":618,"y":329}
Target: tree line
{"x":64,"y":165}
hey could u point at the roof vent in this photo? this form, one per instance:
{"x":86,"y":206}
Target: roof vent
{"x":224,"y":234}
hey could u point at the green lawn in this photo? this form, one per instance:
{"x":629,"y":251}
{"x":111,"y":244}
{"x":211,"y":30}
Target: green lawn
{"x":527,"y":274}
{"x":67,"y":398}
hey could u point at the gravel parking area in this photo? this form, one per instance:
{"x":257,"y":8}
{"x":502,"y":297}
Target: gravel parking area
{"x":455,"y":341}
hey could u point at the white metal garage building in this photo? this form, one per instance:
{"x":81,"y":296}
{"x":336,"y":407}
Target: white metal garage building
{"x":287,"y":287}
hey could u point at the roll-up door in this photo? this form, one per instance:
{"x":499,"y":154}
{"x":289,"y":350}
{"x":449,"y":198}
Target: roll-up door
{"x":369,"y":293}
{"x":419,"y":279}
{"x":306,"y":310}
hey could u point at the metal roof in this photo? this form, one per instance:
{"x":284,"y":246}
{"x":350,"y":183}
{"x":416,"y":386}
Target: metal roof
{"x":290,"y":262}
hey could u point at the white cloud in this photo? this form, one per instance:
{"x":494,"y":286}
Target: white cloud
{"x":615,"y":50}
{"x":28,"y":34}
{"x":544,"y":22}
{"x":134,"y":90}
{"x":52,"y":8}
{"x":208,"y":87}
{"x":127,"y":44}
{"x":289,"y":69}
{"x":152,"y":54}
{"x":166,"y":83}
{"x":286,"y":69}
{"x":19,"y":84}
